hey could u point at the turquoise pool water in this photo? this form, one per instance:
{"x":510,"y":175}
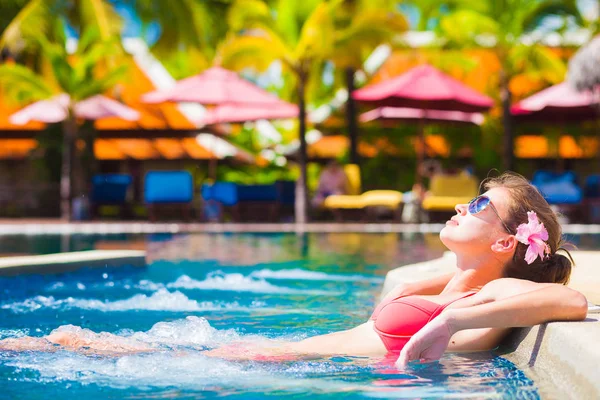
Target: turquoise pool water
{"x":202,"y":291}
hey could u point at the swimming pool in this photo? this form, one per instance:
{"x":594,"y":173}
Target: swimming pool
{"x":201,"y":291}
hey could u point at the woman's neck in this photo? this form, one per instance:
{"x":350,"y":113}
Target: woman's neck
{"x":473,"y":273}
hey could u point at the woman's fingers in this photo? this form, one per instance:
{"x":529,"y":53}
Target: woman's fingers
{"x":428,"y":344}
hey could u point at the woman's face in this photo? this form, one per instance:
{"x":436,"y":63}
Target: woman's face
{"x":475,"y":234}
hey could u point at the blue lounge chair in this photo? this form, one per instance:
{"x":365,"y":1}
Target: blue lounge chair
{"x":591,"y":193}
{"x":166,"y":188}
{"x":558,"y":188}
{"x":243,"y":201}
{"x":110,"y":189}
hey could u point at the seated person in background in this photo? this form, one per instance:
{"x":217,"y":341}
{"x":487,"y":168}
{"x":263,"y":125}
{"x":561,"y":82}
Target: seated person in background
{"x":333,"y":180}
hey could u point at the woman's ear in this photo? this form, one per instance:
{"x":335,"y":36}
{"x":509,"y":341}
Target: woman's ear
{"x":507,"y":244}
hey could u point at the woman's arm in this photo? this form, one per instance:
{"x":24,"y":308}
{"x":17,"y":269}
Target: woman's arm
{"x":482,"y":325}
{"x":431,"y":286}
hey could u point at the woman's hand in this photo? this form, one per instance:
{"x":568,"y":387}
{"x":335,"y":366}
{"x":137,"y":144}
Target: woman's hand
{"x":429,"y":344}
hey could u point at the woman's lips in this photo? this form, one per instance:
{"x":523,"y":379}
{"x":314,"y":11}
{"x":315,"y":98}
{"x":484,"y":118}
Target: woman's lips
{"x":452,"y":222}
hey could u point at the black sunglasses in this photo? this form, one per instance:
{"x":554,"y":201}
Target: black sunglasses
{"x":480,"y":203}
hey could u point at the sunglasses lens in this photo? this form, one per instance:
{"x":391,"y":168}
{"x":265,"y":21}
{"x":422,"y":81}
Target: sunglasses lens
{"x":479,"y":204}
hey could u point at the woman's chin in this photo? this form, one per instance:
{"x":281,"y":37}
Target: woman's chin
{"x":446,"y":237}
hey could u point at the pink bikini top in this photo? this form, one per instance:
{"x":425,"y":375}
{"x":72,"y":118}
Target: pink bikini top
{"x":398,"y":319}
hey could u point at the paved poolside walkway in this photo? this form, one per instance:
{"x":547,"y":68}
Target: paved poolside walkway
{"x":57,"y":226}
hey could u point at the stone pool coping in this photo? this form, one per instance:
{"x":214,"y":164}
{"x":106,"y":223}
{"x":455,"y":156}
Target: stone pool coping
{"x":562,"y":357}
{"x":64,"y":262}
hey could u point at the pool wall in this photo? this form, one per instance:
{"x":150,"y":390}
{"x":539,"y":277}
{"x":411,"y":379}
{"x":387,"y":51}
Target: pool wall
{"x":64,"y":262}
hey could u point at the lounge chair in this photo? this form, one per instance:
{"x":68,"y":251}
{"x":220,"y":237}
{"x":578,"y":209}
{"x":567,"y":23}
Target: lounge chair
{"x":591,"y":198}
{"x":244,"y":202}
{"x":366,"y":203}
{"x":560,"y":189}
{"x":110,"y":189}
{"x":446,"y":191}
{"x":168,"y":188}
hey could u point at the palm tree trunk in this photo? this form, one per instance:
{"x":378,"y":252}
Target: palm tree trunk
{"x":69,"y":131}
{"x":507,"y":120}
{"x":300,"y":205}
{"x":351,"y":117}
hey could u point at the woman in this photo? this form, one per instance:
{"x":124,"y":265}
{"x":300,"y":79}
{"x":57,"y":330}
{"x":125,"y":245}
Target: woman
{"x":508,"y":274}
{"x":332,"y":181}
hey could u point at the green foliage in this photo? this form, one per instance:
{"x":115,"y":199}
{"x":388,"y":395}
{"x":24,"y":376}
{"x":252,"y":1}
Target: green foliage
{"x":10,"y":9}
{"x":191,"y":31}
{"x":77,"y":76}
{"x":254,"y":175}
{"x":39,"y":18}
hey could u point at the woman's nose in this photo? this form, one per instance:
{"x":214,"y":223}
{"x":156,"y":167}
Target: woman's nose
{"x":461,"y":209}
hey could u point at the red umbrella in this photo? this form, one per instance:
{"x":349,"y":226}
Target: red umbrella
{"x":424,"y":87}
{"x":558,"y":103}
{"x":215,"y":86}
{"x":403,"y":114}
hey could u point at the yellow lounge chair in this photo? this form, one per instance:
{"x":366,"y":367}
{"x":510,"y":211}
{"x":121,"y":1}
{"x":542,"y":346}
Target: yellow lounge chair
{"x":390,"y":199}
{"x":446,"y":191}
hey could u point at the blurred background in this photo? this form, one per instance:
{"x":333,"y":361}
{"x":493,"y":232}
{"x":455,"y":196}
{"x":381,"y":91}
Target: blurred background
{"x":234,"y":109}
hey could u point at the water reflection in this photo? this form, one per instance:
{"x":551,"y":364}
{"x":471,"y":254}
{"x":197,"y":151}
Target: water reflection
{"x":243,"y":249}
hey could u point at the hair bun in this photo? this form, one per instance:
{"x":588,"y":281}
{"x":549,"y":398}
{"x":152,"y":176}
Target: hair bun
{"x":560,"y":268}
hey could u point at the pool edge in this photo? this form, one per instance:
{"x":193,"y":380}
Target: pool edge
{"x":66,"y":262}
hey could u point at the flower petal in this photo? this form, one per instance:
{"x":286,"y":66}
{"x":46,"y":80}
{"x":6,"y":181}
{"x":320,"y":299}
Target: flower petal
{"x":530,"y":255}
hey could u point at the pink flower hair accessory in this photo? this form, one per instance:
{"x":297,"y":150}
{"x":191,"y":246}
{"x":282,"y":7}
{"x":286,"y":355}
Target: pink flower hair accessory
{"x":533,"y":234}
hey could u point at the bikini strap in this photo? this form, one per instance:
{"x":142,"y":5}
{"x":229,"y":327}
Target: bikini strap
{"x":442,"y":307}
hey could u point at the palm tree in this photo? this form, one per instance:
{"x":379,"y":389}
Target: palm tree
{"x":80,"y":76}
{"x":508,"y":28}
{"x":302,"y":36}
{"x":191,"y":31}
{"x":361,"y":26}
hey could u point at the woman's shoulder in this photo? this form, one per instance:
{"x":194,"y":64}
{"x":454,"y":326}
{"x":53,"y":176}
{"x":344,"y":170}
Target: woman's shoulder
{"x":506,"y":287}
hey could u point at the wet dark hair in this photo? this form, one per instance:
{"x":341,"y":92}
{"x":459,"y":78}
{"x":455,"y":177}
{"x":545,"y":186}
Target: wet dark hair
{"x":525,"y":197}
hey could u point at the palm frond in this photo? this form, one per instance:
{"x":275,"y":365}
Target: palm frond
{"x":249,"y":14}
{"x":99,"y":85}
{"x":251,"y":51}
{"x":465,"y":26}
{"x":317,"y":34}
{"x":23,"y":85}
{"x":99,"y":15}
{"x":31,"y":22}
{"x":538,"y":62}
{"x":538,"y":12}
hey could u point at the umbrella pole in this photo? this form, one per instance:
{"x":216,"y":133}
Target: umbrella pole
{"x":420,"y":148}
{"x":212,"y":168}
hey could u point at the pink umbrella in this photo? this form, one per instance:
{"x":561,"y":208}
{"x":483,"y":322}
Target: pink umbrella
{"x":558,"y":103}
{"x":229,"y":113}
{"x":214,"y":86}
{"x":396,"y":113}
{"x":424,"y":87}
{"x":56,"y":110}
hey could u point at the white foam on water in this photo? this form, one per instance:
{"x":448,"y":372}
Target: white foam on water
{"x":161,"y":300}
{"x":184,"y":367}
{"x":302,"y":274}
{"x":218,"y":280}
